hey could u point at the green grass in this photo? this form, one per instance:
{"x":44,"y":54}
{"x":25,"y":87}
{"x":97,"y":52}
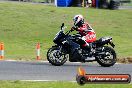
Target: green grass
{"x":18,"y":84}
{"x":22,"y":25}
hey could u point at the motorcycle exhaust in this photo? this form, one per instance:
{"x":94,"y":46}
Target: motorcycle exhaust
{"x":90,"y":59}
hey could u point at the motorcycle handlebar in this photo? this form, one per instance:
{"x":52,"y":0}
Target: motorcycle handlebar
{"x":63,"y":27}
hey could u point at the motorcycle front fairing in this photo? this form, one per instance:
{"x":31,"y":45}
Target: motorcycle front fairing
{"x":58,"y":38}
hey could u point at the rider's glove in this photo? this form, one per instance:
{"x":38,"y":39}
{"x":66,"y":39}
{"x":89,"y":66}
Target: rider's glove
{"x":73,"y":28}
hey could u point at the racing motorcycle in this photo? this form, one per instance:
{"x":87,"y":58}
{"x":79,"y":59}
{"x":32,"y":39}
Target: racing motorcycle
{"x":66,"y":48}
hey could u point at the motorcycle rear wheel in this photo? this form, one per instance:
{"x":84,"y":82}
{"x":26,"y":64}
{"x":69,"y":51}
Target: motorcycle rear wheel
{"x":55,"y":56}
{"x":109,"y":59}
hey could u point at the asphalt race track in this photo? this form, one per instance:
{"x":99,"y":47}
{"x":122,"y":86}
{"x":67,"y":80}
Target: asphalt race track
{"x":22,"y":70}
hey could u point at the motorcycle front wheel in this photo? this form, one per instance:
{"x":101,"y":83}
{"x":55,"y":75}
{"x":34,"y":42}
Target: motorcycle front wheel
{"x":108,"y":58}
{"x":55,"y":56}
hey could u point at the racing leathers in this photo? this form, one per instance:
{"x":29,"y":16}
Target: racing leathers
{"x":87,"y":33}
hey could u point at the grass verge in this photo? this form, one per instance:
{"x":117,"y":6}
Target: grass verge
{"x":19,"y":84}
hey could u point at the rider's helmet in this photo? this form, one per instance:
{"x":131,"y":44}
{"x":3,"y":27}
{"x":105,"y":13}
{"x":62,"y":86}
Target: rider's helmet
{"x":78,"y":20}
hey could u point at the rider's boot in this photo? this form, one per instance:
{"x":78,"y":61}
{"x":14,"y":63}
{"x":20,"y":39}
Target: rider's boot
{"x":89,"y":48}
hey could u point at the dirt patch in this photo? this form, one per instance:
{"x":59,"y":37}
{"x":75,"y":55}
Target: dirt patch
{"x":125,"y":60}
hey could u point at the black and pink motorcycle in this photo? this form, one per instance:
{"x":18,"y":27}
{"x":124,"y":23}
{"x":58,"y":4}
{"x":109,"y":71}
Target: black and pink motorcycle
{"x":67,"y":48}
